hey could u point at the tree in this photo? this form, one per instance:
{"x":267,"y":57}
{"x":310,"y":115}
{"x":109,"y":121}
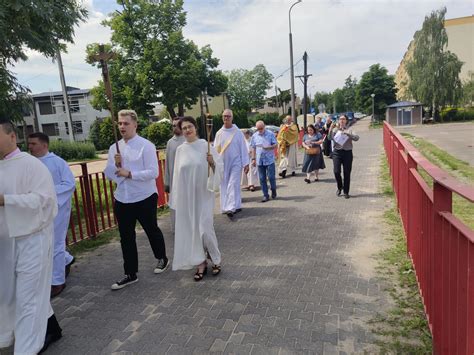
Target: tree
{"x":322,"y":97}
{"x":468,"y":91}
{"x":36,"y":25}
{"x":349,"y":93}
{"x":375,"y":81}
{"x":434,"y":71}
{"x":247,"y":88}
{"x":338,"y":102}
{"x":155,"y":62}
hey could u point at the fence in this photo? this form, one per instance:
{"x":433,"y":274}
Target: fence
{"x":440,"y":246}
{"x":93,"y":203}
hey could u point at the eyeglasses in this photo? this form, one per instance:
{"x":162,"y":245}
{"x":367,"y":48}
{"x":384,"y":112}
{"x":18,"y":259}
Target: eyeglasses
{"x":187,"y":128}
{"x":226,"y":116}
{"x":260,"y":129}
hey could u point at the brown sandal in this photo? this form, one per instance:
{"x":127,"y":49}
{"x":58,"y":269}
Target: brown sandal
{"x":198,"y":276}
{"x":216,"y":270}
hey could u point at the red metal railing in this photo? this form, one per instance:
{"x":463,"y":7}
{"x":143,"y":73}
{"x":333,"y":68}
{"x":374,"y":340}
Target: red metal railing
{"x":441,"y":247}
{"x":93,"y":203}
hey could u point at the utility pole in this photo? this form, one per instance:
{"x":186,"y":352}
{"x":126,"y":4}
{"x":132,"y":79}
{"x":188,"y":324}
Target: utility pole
{"x":304,"y":80}
{"x":65,"y":97}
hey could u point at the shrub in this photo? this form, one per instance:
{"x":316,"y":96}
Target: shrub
{"x":158,"y":133}
{"x":72,"y":150}
{"x":453,"y":114}
{"x":269,"y":119}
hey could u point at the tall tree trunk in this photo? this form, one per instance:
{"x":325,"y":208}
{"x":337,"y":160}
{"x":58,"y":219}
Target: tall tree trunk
{"x":181,"y":110}
{"x":170,"y":110}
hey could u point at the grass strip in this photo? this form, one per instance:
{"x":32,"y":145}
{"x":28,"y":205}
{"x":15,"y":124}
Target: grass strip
{"x":403,"y":329}
{"x":462,"y":209}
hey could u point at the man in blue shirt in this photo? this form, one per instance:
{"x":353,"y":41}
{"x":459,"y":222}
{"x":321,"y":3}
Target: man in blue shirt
{"x":263,"y":143}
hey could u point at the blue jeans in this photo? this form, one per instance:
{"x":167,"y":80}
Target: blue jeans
{"x":263,"y":172}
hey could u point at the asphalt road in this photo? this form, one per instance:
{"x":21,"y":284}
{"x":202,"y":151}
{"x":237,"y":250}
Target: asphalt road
{"x":455,"y":138}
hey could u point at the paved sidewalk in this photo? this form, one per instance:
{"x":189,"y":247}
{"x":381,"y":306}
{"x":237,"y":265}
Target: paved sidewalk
{"x":298,"y":276}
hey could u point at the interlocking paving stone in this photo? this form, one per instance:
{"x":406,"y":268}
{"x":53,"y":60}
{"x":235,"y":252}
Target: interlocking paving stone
{"x":291,"y":280}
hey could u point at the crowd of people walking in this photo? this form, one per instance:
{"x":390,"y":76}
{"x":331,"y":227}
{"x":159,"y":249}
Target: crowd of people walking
{"x":33,"y":257}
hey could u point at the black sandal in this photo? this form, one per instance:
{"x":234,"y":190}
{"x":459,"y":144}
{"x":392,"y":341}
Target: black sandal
{"x":216,"y":270}
{"x":198,"y":276}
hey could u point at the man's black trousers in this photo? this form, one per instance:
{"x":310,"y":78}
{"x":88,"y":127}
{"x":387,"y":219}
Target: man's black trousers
{"x":344,"y":158}
{"x":127,"y":215}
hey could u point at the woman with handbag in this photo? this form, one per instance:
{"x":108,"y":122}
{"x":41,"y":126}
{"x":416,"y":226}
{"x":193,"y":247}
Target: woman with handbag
{"x":313,"y":157}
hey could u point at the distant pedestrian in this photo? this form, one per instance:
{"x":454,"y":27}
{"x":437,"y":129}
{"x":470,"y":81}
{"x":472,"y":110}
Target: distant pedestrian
{"x":230,"y":144}
{"x":342,"y":154}
{"x":134,"y":171}
{"x":171,"y":147}
{"x":64,"y":184}
{"x":327,"y":143}
{"x":287,"y":140}
{"x":263,"y":143}
{"x":249,"y":179}
{"x":197,"y":176}
{"x":313,"y":157}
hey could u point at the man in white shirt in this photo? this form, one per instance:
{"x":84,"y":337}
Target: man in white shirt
{"x":230,"y":144}
{"x":27,"y":210}
{"x":171,"y":147}
{"x":134,"y":171}
{"x":64,"y":184}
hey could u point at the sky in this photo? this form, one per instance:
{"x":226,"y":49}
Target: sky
{"x":341,"y":38}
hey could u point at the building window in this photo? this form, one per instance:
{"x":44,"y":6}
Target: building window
{"x":51,"y":129}
{"x":46,"y":108}
{"x":74,"y":106}
{"x":77,"y":127}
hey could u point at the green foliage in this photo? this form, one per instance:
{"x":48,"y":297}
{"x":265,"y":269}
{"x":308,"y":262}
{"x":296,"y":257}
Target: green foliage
{"x":269,"y":119}
{"x":101,"y":134}
{"x":468,"y":91}
{"x":36,"y":25}
{"x":158,"y":133}
{"x":322,"y":97}
{"x":247,"y":88}
{"x":349,"y":93}
{"x":433,"y":71}
{"x":376,"y":81}
{"x":457,"y":114}
{"x":72,"y":150}
{"x":154,"y":62}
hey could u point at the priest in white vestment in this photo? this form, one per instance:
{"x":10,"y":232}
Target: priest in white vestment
{"x":230,"y":144}
{"x":196,"y":178}
{"x":249,"y":180}
{"x":27,"y":210}
{"x":64,"y":184}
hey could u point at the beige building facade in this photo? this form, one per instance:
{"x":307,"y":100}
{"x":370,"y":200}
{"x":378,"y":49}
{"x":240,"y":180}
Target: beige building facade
{"x":460,"y":33}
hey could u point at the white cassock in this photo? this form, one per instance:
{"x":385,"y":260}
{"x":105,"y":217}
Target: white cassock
{"x":26,"y":241}
{"x":230,"y":144}
{"x":192,"y":198}
{"x":251,"y":178}
{"x":171,"y":147}
{"x":64,"y":184}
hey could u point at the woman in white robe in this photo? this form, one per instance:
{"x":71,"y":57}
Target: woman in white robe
{"x":249,"y":180}
{"x":196,"y":178}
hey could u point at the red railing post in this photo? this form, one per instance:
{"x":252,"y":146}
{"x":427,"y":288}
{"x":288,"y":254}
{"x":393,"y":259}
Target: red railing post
{"x":89,"y":208}
{"x":160,"y":182}
{"x":442,"y":202}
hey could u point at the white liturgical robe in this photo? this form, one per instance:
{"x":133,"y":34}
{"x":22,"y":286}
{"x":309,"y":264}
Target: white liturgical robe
{"x":26,"y":239}
{"x":64,"y":184}
{"x":192,"y":198}
{"x":230,"y":144}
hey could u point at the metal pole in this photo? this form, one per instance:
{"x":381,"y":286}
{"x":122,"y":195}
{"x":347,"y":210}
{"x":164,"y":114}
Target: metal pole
{"x":65,"y":97}
{"x":276,"y":97}
{"x":292,"y":73}
{"x":305,"y":106}
{"x":373,"y":107}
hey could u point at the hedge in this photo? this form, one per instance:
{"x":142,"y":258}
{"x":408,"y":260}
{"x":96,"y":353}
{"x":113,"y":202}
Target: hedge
{"x":457,"y":114}
{"x":72,"y":150}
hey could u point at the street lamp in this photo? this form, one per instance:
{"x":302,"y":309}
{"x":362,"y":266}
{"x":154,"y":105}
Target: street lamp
{"x":293,"y":115}
{"x":373,"y":107}
{"x":276,"y":93}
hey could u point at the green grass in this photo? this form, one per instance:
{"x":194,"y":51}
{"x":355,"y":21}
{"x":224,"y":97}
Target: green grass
{"x":403,"y":328}
{"x":462,"y":209}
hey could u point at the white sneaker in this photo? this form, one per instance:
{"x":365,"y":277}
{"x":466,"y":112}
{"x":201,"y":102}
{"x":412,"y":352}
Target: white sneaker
{"x":127,"y":280}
